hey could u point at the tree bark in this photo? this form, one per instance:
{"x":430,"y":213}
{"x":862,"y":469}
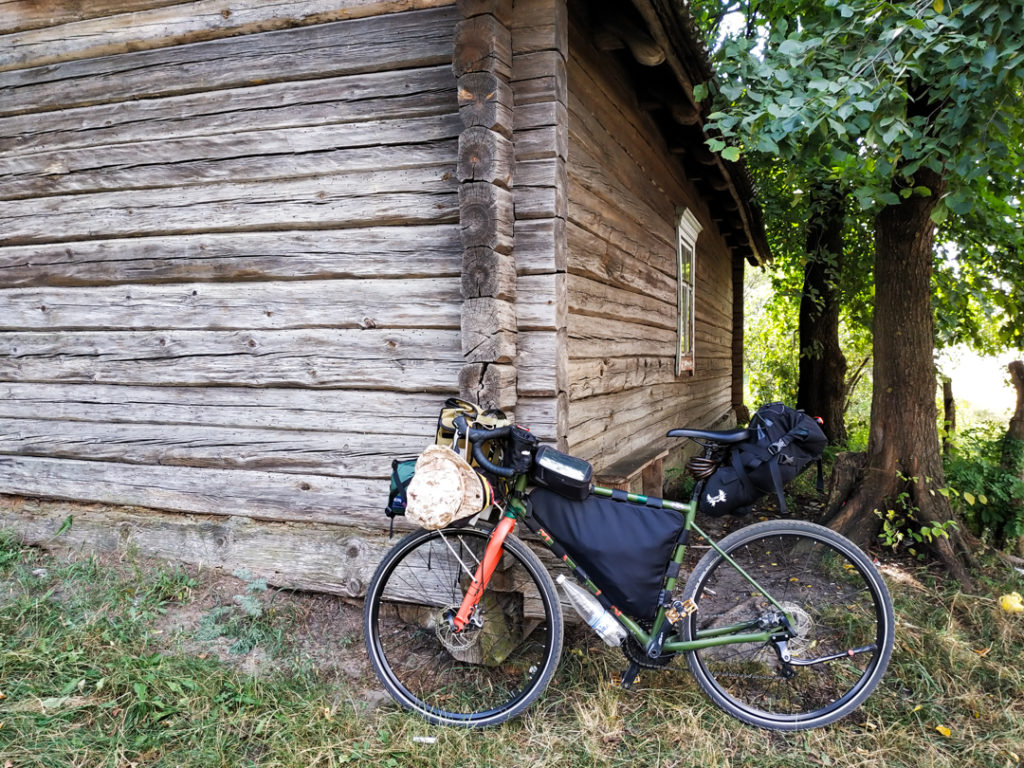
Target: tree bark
{"x":1010,"y":458}
{"x":822,"y":386}
{"x":904,"y":453}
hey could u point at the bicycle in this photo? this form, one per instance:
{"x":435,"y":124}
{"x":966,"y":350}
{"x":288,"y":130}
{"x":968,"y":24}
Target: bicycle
{"x":785,"y":624}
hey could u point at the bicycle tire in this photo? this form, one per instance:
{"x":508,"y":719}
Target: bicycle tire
{"x":838,"y":603}
{"x":479,"y":677}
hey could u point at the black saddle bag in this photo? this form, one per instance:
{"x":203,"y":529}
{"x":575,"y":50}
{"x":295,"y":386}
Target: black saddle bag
{"x":784,"y":441}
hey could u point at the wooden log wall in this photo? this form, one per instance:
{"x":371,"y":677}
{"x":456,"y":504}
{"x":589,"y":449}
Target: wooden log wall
{"x":623,"y":194}
{"x":539,"y":52}
{"x":230,"y":252}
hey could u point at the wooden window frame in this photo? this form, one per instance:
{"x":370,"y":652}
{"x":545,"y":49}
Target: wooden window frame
{"x":688,"y":229}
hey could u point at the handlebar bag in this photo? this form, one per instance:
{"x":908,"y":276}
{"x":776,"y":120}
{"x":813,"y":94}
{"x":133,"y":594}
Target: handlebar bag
{"x":784,"y":441}
{"x":444,"y":489}
{"x":624,"y":548}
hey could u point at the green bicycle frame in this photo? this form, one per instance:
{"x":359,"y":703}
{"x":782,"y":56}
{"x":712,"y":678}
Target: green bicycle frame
{"x":738,"y":633}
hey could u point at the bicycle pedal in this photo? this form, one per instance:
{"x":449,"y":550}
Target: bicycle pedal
{"x":629,"y":678}
{"x":680,"y":610}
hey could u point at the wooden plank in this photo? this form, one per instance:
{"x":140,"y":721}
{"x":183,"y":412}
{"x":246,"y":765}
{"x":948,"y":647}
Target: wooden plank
{"x":418,"y":92}
{"x":253,"y":494}
{"x":334,"y":558}
{"x":312,"y":152}
{"x":193,"y":23}
{"x":390,"y":42}
{"x":406,"y":251}
{"x":335,"y":454}
{"x":390,"y":360}
{"x":500,"y":9}
{"x":363,"y":412}
{"x":611,"y":257}
{"x":363,"y":303}
{"x":385,"y":197}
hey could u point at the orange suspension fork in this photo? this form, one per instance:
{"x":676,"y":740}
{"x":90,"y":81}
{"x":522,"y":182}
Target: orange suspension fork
{"x":492,"y":554}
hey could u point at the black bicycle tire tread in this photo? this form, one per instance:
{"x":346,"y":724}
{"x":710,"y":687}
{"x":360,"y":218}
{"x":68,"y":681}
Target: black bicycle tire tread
{"x":799,"y":528}
{"x":544,"y":584}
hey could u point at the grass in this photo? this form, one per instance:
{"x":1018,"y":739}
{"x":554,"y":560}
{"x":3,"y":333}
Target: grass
{"x":87,"y":680}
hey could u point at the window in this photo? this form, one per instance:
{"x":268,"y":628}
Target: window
{"x":687,"y":230}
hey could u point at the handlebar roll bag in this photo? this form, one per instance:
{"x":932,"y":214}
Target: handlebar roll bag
{"x":444,"y":489}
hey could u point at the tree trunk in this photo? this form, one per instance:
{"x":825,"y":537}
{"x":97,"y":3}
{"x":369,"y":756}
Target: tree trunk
{"x":903,"y":447}
{"x":1010,"y":458}
{"x":822,"y":386}
{"x":949,"y":416}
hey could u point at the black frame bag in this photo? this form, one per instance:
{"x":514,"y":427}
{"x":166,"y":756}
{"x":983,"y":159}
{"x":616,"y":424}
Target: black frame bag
{"x":783,"y":442}
{"x":624,"y":548}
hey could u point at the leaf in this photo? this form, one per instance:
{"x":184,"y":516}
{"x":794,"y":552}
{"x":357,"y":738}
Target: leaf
{"x":983,"y":498}
{"x":732,"y":154}
{"x":700,"y":91}
{"x":969,"y":498}
{"x":944,"y":730}
{"x":938,"y":5}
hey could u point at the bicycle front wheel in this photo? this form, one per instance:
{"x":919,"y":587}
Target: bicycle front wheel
{"x":487,"y":673}
{"x":836,"y":603}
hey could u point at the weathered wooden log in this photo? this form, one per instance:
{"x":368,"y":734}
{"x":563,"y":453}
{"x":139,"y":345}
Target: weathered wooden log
{"x":325,"y":150}
{"x":486,"y":217}
{"x":414,"y":251}
{"x":411,"y":93}
{"x":363,"y":303}
{"x":323,"y":557}
{"x":540,"y":25}
{"x":489,"y":384}
{"x":485,"y":101}
{"x":485,"y":156}
{"x":363,"y":412}
{"x":395,"y":360}
{"x":485,"y":272}
{"x":389,"y":42}
{"x":540,"y":77}
{"x":482,"y":44}
{"x":407,"y":196}
{"x":499,"y":9}
{"x":542,"y":361}
{"x":542,"y":302}
{"x":540,"y":246}
{"x":248,"y":493}
{"x":488,"y":331}
{"x":294,"y":451}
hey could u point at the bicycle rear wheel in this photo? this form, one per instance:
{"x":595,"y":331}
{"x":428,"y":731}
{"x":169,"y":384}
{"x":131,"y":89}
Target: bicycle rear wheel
{"x":489,"y":672}
{"x":838,"y":607}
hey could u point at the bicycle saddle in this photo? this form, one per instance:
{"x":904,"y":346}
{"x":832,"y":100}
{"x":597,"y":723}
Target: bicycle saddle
{"x":728,"y":436}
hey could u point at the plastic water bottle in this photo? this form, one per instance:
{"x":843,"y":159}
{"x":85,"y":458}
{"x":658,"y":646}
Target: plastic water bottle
{"x":587,"y":606}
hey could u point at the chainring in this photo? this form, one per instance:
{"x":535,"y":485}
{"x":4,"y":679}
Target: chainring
{"x":637,"y":654}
